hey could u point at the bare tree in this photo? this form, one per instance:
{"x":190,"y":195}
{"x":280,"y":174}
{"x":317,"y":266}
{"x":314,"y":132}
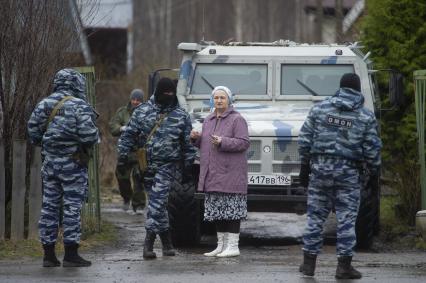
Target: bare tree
{"x":339,"y":20}
{"x":319,"y":21}
{"x":240,"y":7}
{"x":36,"y":38}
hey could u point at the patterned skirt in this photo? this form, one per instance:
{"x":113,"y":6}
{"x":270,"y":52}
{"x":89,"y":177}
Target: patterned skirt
{"x":225,"y":206}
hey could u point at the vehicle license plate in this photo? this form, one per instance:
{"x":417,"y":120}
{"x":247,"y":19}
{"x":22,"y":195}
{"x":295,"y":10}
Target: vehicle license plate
{"x":274,"y":180}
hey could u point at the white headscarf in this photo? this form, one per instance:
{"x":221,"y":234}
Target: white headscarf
{"x":224,"y":89}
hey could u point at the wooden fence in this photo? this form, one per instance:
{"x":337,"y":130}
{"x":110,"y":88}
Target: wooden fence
{"x":20,"y":205}
{"x":2,"y":192}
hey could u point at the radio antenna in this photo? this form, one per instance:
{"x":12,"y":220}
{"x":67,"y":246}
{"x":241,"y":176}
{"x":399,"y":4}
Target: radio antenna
{"x":202,"y":35}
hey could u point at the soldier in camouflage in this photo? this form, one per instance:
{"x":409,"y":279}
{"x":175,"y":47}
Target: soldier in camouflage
{"x":124,"y":171}
{"x":168,"y":150}
{"x":64,"y":174}
{"x":338,"y":136}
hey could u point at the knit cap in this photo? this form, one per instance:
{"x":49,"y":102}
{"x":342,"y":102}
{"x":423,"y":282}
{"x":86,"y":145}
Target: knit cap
{"x":350,"y":80}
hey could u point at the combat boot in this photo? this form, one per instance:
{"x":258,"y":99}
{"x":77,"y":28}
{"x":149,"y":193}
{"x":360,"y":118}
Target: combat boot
{"x":49,"y":258}
{"x":308,"y":265}
{"x":345,"y":270}
{"x":148,"y":247}
{"x":72,"y":258}
{"x":167,"y":244}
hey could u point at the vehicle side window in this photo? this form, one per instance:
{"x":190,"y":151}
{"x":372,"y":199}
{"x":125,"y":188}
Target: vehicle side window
{"x":321,"y":80}
{"x":245,"y":79}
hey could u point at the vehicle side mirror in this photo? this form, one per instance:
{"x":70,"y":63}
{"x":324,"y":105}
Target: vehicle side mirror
{"x":396,"y":89}
{"x":153,"y":79}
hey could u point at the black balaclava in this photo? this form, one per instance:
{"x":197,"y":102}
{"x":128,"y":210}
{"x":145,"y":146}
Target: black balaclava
{"x":165,"y":85}
{"x":350,"y":80}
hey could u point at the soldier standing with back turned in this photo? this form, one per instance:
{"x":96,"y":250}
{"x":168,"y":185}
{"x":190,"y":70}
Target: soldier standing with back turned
{"x":337,"y":138}
{"x":63,"y":124}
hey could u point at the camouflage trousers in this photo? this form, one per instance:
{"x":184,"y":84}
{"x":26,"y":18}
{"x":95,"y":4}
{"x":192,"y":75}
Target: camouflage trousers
{"x":65,"y":185}
{"x":123,"y":174}
{"x":332,"y":183}
{"x":158,"y":181}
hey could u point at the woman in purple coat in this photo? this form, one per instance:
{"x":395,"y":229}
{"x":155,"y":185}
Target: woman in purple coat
{"x":223,"y":143}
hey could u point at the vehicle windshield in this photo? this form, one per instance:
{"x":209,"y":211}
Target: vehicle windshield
{"x":317,"y":80}
{"x":245,"y":79}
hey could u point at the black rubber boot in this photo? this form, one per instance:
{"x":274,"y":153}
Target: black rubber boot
{"x":166,"y":241}
{"x":72,"y":258}
{"x":148,"y":247}
{"x":345,"y":270}
{"x":49,"y":258}
{"x":308,"y":265}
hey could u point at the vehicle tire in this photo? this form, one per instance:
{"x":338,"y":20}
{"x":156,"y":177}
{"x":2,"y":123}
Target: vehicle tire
{"x":367,"y":224}
{"x":184,"y":215}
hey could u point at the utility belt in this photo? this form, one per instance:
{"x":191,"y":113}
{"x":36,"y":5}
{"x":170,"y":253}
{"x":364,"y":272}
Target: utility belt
{"x":333,"y":159}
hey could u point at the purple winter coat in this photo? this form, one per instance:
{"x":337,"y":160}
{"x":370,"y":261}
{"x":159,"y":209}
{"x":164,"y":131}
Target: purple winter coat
{"x":224,"y":168}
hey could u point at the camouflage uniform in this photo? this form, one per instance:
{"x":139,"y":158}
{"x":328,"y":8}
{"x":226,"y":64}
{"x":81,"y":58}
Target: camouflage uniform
{"x":165,"y":151}
{"x":63,"y":176}
{"x":131,"y":168}
{"x":338,"y":136}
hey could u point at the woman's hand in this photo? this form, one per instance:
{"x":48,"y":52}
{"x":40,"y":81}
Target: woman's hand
{"x":195,"y":134}
{"x":216,"y":140}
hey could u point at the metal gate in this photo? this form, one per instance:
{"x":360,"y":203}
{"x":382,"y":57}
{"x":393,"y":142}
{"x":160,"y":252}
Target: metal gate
{"x":92,"y":207}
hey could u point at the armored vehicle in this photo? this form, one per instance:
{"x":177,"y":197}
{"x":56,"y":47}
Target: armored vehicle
{"x":275,"y":84}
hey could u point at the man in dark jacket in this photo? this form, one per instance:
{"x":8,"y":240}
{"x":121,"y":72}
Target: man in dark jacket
{"x":166,"y":149}
{"x":338,"y":136}
{"x":124,"y":171}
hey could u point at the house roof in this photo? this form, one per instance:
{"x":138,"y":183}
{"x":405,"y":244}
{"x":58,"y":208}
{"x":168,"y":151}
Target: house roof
{"x":347,"y":4}
{"x":108,"y":14}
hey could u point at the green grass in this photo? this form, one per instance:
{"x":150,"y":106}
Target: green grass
{"x":32,"y":247}
{"x":421,"y":244}
{"x":394,"y":231}
{"x":19,"y":249}
{"x":390,"y":223}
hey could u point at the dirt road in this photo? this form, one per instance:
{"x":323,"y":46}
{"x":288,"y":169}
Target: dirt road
{"x":260,"y":261}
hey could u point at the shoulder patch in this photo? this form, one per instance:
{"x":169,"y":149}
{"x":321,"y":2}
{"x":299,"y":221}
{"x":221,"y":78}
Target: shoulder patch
{"x":339,"y":122}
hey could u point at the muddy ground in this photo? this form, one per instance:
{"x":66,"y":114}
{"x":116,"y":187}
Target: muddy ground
{"x":270,"y":252}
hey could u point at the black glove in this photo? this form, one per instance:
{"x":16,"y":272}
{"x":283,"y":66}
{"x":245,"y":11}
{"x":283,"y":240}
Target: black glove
{"x":122,"y":160}
{"x":305,"y":170}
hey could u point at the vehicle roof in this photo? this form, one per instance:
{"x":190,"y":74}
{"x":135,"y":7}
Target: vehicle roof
{"x":300,"y":50}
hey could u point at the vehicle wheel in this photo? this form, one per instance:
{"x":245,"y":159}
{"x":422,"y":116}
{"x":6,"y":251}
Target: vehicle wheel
{"x":184,"y":215}
{"x":367,"y":224}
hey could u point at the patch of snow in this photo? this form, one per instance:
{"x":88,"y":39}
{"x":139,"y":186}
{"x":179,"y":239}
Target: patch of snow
{"x":273,"y":225}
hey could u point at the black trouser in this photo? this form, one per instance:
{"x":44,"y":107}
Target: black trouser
{"x":229,"y":226}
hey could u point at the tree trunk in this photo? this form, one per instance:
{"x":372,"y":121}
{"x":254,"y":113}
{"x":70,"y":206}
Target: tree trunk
{"x":239,"y":19}
{"x":319,"y":22}
{"x":339,"y":20}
